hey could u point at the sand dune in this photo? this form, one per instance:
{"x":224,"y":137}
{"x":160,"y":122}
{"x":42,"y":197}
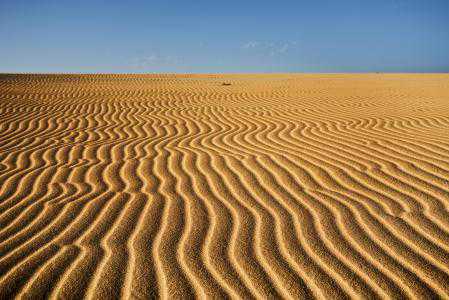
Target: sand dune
{"x":291,"y":186}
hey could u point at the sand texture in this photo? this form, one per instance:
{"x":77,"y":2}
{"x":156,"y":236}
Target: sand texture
{"x":215,"y":186}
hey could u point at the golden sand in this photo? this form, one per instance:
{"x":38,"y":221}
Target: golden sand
{"x":280,"y":185}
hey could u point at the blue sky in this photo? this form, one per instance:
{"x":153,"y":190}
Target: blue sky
{"x":224,"y":36}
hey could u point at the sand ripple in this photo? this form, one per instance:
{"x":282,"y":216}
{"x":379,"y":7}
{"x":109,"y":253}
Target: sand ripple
{"x":276,"y":186}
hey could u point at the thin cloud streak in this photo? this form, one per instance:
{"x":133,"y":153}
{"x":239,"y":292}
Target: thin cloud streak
{"x":270,"y":48}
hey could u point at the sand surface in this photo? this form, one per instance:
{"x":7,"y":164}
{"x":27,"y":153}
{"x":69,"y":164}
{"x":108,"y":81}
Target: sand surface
{"x":273,"y":186}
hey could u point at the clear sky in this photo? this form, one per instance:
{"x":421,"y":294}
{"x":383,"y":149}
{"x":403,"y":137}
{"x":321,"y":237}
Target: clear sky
{"x":224,"y":36}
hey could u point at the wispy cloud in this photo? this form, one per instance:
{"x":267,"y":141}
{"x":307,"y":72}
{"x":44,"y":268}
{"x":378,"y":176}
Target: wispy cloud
{"x":251,"y":44}
{"x":154,"y":61}
{"x":270,"y":48}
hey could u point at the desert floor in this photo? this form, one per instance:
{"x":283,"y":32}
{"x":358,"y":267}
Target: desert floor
{"x":242,"y":186}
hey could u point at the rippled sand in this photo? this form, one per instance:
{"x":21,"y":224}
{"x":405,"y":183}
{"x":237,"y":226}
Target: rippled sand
{"x":292,"y":186}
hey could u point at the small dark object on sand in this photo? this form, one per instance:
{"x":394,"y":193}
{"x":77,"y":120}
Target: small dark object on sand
{"x":225,"y":83}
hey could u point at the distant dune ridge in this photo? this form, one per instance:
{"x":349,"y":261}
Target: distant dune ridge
{"x":213,"y":186}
